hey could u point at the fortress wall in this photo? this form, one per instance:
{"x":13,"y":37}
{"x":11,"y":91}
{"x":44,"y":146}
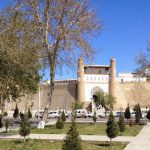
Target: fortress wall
{"x":63,"y":96}
{"x":21,"y":104}
{"x":132,"y":93}
{"x":121,"y":101}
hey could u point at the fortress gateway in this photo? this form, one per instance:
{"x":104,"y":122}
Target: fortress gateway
{"x":128,"y":88}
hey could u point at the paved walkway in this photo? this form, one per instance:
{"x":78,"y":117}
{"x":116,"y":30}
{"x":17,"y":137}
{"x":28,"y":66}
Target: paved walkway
{"x":62,"y":136}
{"x":141,"y":141}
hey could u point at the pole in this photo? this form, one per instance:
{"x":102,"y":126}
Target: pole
{"x":39,"y":98}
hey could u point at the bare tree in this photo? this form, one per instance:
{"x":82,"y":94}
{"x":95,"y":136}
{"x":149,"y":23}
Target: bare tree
{"x":66,"y":27}
{"x":143,"y":62}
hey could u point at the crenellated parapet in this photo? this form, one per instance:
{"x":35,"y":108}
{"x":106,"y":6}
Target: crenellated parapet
{"x":63,"y":82}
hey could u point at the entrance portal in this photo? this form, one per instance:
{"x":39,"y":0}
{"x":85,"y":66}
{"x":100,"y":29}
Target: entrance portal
{"x":95,"y":90}
{"x":93,"y":96}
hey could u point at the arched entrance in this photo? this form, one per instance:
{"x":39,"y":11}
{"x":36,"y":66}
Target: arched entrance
{"x":95,"y":90}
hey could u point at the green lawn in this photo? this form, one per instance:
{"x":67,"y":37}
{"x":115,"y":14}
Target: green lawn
{"x":85,"y":129}
{"x":88,"y":129}
{"x":55,"y":145}
{"x":132,"y":131}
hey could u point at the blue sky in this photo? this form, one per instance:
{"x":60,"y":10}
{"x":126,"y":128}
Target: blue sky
{"x":126,"y":32}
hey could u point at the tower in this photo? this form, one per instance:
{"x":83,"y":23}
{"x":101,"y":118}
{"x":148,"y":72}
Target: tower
{"x":80,"y":84}
{"x":112,"y":77}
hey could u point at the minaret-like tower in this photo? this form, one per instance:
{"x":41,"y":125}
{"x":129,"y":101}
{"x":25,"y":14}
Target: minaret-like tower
{"x":112,"y":77}
{"x":80,"y":84}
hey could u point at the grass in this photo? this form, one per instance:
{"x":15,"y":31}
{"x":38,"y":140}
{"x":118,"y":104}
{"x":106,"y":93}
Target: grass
{"x":85,"y":129}
{"x":131,"y":131}
{"x":55,"y":145}
{"x":88,"y":129}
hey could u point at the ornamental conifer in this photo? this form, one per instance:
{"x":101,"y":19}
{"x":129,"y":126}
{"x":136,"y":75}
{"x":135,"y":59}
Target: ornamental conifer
{"x":121,"y":123}
{"x":1,"y":123}
{"x":29,"y":114}
{"x":112,"y":127}
{"x":148,"y":114}
{"x":138,"y":114}
{"x":127,"y":113}
{"x":16,"y":112}
{"x":21,"y":115}
{"x":72,"y":141}
{"x":59,"y":123}
{"x":94,"y":117}
{"x":63,"y":116}
{"x":24,"y":126}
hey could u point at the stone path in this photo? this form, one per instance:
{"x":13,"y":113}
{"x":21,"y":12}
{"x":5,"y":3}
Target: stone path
{"x":141,"y":141}
{"x":62,"y":136}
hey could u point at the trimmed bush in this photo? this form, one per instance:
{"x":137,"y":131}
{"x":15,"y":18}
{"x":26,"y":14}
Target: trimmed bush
{"x":112,"y":127}
{"x":94,"y":117}
{"x":127,"y":113}
{"x":29,"y":114}
{"x":148,"y":114}
{"x":72,"y":141}
{"x":121,"y":123}
{"x":24,"y":126}
{"x":21,"y":115}
{"x":16,"y":112}
{"x":59,"y":123}
{"x":138,"y":114}
{"x":63,"y":116}
{"x":1,"y":123}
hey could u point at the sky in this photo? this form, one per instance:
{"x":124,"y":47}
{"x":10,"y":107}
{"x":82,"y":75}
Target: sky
{"x":126,"y":32}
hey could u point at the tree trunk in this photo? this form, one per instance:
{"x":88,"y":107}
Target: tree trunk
{"x":52,"y":83}
{"x":44,"y":118}
{"x":106,"y":107}
{"x":27,"y":103}
{"x":24,"y":140}
{"x":2,"y":107}
{"x":45,"y":115}
{"x":110,"y":141}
